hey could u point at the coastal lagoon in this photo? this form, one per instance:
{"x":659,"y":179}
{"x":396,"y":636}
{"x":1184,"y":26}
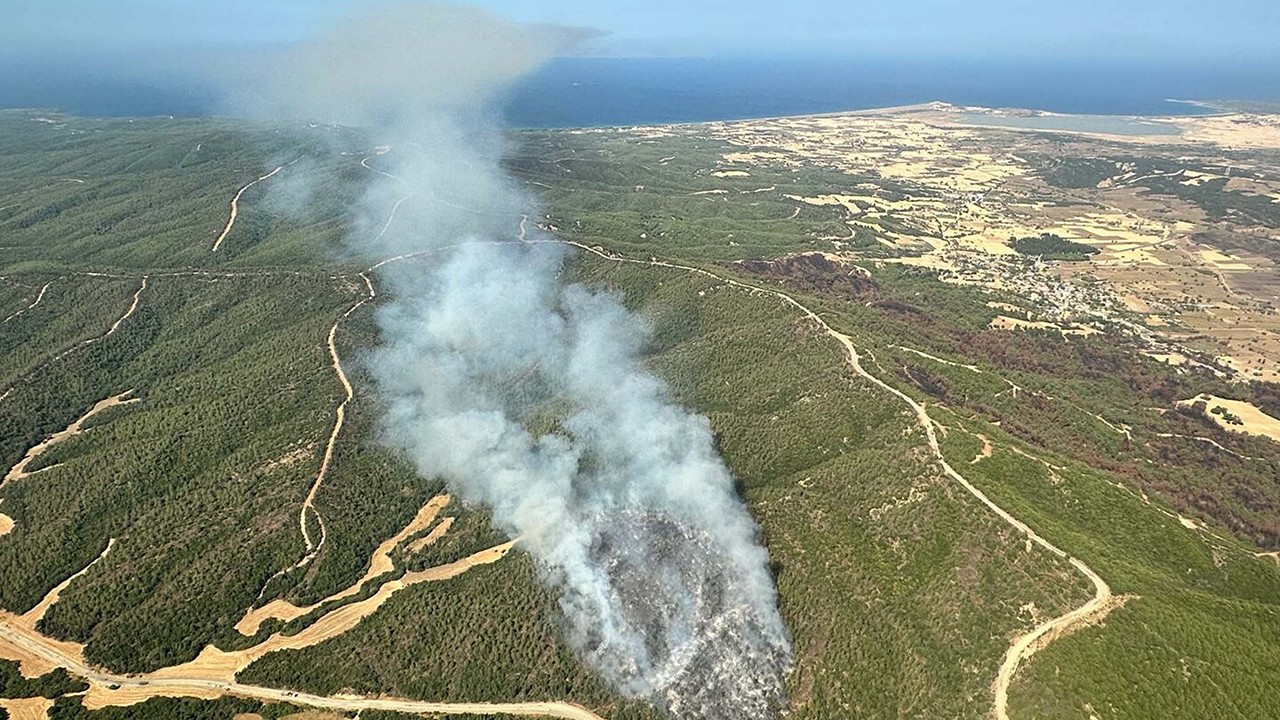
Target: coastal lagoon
{"x":1108,"y":124}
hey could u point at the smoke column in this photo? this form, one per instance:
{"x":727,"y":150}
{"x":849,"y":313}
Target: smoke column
{"x":529,"y":397}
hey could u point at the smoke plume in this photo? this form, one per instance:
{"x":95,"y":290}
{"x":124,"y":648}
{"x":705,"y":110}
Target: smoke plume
{"x":529,"y":397}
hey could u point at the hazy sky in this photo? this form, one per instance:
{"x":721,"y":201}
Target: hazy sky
{"x":1143,"y":28}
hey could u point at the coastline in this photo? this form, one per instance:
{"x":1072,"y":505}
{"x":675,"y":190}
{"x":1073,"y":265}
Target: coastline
{"x":1222,"y":127}
{"x":922,"y":107}
{"x":1207,"y":108}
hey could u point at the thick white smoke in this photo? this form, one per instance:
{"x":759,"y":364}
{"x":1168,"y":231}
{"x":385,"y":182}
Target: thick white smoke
{"x":529,"y":397}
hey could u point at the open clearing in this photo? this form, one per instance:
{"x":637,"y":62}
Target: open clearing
{"x":379,"y":564}
{"x":1237,"y":416}
{"x":212,"y":674}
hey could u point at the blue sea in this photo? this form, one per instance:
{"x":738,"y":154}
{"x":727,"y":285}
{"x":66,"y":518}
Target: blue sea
{"x":577,"y":92}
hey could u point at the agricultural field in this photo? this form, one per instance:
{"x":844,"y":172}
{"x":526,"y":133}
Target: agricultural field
{"x":993,"y":481}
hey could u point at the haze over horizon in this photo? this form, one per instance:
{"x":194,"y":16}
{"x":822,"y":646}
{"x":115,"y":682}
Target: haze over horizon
{"x":1174,"y":30}
{"x":665,"y":61}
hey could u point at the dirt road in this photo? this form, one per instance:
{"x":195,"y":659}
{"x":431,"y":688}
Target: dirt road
{"x":379,"y":564}
{"x":128,"y":313}
{"x":32,"y":617}
{"x":390,"y":218}
{"x":212,"y":674}
{"x":133,"y":307}
{"x":19,"y":471}
{"x":39,"y":297}
{"x":107,"y":690}
{"x":1025,"y":645}
{"x":235,"y":204}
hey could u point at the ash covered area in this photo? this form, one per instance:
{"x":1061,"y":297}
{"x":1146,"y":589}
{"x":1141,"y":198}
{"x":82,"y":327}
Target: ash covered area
{"x":689,"y":644}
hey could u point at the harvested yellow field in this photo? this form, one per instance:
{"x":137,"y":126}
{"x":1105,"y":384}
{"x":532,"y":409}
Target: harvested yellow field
{"x":101,"y":696}
{"x":1222,"y":261}
{"x":430,"y":538}
{"x":1234,"y":130}
{"x":212,"y":673}
{"x":1004,"y":306}
{"x":933,"y":261}
{"x":1247,"y":418}
{"x":275,"y":610}
{"x":1131,"y":258}
{"x":845,"y":201}
{"x":988,"y":243}
{"x":1193,"y":178}
{"x":1253,"y":186}
{"x":36,"y":708}
{"x":752,"y":158}
{"x":1175,"y":359}
{"x":220,"y":665}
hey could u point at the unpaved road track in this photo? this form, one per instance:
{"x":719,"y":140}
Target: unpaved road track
{"x":309,"y":502}
{"x":235,"y":204}
{"x":39,"y":297}
{"x":132,"y":690}
{"x":212,"y":674}
{"x":128,"y":313}
{"x":136,"y":689}
{"x":390,"y":218}
{"x":133,"y":307}
{"x":1024,"y":646}
{"x":19,"y":470}
{"x":379,"y":564}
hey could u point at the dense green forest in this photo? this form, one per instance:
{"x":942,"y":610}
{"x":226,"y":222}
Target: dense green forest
{"x":902,"y":591}
{"x":1052,"y":247}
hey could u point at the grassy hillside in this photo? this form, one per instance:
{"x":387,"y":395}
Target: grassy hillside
{"x":902,"y":590}
{"x":1087,"y":451}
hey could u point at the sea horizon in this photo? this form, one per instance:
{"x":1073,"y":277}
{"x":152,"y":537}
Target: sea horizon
{"x":617,"y":92}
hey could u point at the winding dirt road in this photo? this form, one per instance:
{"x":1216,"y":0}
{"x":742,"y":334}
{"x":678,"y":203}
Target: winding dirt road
{"x":390,"y":218}
{"x":133,"y":307}
{"x":19,"y":470}
{"x":1029,"y":643}
{"x":128,"y":313}
{"x":235,"y":204}
{"x":39,"y":297}
{"x":379,"y":564}
{"x":313,"y":545}
{"x":340,"y":416}
{"x":107,"y":690}
{"x":212,"y":674}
